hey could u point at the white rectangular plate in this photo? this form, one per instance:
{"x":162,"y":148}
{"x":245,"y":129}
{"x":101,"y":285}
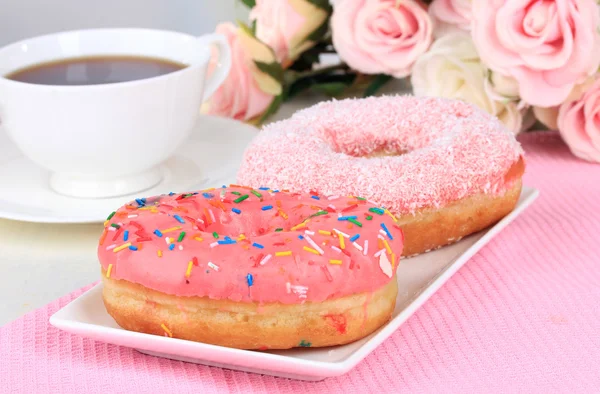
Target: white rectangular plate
{"x":418,"y":278}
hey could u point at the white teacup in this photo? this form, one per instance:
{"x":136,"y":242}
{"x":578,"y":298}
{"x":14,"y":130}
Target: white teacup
{"x":107,"y":140}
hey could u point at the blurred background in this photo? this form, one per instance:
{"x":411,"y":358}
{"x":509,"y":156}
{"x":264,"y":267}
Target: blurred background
{"x":26,"y":18}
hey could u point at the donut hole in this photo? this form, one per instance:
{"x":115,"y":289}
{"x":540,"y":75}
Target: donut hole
{"x":354,"y":145}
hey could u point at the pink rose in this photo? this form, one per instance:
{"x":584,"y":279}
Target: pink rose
{"x":244,"y":95}
{"x":547,"y":46}
{"x":579,"y":124}
{"x":284,"y":25}
{"x":381,"y":36}
{"x":450,"y":15}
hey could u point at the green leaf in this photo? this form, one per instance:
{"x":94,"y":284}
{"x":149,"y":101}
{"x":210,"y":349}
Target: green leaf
{"x":319,"y":32}
{"x":273,"y":69}
{"x":297,"y":87}
{"x":376,"y":84}
{"x":246,"y":28}
{"x":249,"y":3}
{"x":273,"y":107}
{"x":322,"y":4}
{"x":330,"y":88}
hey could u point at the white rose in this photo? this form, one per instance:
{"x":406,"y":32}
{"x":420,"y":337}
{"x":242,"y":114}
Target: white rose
{"x":451,"y":68}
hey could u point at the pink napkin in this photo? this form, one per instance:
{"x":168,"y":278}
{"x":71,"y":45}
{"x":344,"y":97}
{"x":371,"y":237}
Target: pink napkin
{"x":522,"y":315}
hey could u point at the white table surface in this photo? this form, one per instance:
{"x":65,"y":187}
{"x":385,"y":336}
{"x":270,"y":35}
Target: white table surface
{"x":42,"y":262}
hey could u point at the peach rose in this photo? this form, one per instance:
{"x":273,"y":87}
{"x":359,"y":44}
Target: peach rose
{"x":450,"y":16}
{"x":247,"y":92}
{"x":285,"y":25}
{"x":381,"y":36}
{"x":451,"y":68}
{"x":547,"y":46}
{"x":579,"y":124}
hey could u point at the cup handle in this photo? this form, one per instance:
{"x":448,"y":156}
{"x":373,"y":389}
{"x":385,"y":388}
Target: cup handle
{"x":213,"y":82}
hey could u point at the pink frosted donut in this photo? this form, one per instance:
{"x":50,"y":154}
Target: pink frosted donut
{"x":251,"y":268}
{"x":444,"y":167}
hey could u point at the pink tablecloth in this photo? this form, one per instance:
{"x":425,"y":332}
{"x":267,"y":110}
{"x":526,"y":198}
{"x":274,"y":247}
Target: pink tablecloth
{"x":522,"y":315}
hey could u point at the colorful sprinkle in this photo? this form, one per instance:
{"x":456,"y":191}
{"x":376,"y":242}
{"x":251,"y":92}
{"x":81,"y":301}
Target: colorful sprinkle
{"x":240,"y":199}
{"x":178,"y":218}
{"x":109,"y":270}
{"x":366,"y":247}
{"x":125,"y":235}
{"x":354,"y":237}
{"x":212,"y":245}
{"x":103,"y":237}
{"x":267,"y":207}
{"x":336,"y":262}
{"x":378,"y":211}
{"x":188,"y":272}
{"x":159,"y":253}
{"x":324,"y":232}
{"x":133,"y":247}
{"x":207,"y":195}
{"x":387,"y":246}
{"x":120,"y":248}
{"x":286,"y":253}
{"x":236,"y":210}
{"x":250,"y":280}
{"x":166,"y":330}
{"x":198,"y":239}
{"x":357,"y":246}
{"x":300,"y":237}
{"x":213,"y":266}
{"x":158,"y":233}
{"x":369,"y":217}
{"x":172,"y":246}
{"x":181,"y":236}
{"x":170,"y":229}
{"x":314,"y":245}
{"x":257,"y":194}
{"x":311,"y":250}
{"x":341,"y":233}
{"x":111,"y":215}
{"x":140,"y":202}
{"x":341,"y":218}
{"x":342,"y":243}
{"x":319,"y":213}
{"x":257,"y":245}
{"x":265,"y":259}
{"x":263,"y":188}
{"x":354,"y":221}
{"x":315,"y":197}
{"x":278,"y":229}
{"x":327,"y":273}
{"x":304,"y":343}
{"x":387,"y":231}
{"x":115,"y":225}
{"x":296,"y":227}
{"x":215,"y":235}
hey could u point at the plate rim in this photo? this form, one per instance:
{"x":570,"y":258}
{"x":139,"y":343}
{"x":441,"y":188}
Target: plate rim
{"x":319,"y":368}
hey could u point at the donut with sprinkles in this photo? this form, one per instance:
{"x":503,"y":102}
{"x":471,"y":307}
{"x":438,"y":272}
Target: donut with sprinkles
{"x":251,"y":268}
{"x":445,"y":168}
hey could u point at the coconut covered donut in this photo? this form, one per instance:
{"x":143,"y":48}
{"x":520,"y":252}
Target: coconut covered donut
{"x":251,"y":268}
{"x":445,"y":168}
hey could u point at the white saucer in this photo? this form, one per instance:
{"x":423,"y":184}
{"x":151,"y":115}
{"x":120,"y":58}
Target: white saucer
{"x":211,"y":157}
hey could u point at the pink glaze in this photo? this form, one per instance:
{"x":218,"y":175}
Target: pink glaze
{"x":451,"y":150}
{"x":241,"y":270}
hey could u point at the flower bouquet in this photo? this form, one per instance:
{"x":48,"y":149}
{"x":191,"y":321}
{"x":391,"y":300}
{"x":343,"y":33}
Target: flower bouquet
{"x":524,"y":62}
